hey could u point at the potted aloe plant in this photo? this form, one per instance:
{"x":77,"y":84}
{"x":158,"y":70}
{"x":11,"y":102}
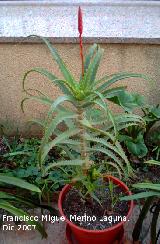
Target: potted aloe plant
{"x":91,"y":194}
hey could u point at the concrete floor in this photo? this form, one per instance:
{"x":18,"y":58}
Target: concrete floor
{"x":56,"y":233}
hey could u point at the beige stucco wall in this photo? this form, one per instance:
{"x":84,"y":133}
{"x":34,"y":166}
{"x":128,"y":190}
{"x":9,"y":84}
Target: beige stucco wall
{"x":16,"y":59}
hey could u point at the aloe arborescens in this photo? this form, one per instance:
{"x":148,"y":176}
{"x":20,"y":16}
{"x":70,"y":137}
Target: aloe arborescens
{"x":81,"y":128}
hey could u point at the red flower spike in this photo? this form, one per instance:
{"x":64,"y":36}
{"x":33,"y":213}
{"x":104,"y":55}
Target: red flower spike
{"x":80,"y":22}
{"x":80,"y":29}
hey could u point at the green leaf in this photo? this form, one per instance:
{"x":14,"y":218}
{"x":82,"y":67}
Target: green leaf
{"x":156,"y":112}
{"x":71,"y":142}
{"x":90,"y":74}
{"x":138,"y":149}
{"x":4,"y":195}
{"x":55,"y":122}
{"x":37,"y":121}
{"x":28,"y":202}
{"x":128,"y":101}
{"x":110,"y":154}
{"x":16,"y":153}
{"x":124,"y":126}
{"x":18,"y":212}
{"x":67,"y":75}
{"x":9,"y":197}
{"x":119,"y":76}
{"x":89,"y":56}
{"x":136,"y":146}
{"x":113,"y":92}
{"x":153,"y":162}
{"x":95,"y":198}
{"x":59,"y":100}
{"x":100,"y":101}
{"x":58,"y":140}
{"x":68,"y":151}
{"x":62,"y":84}
{"x":151,"y":186}
{"x":140,"y":195}
{"x":108,"y":80}
{"x":109,"y":93}
{"x":116,"y":167}
{"x":128,"y":118}
{"x":29,"y":91}
{"x":122,"y":121}
{"x":18,"y":182}
{"x":43,"y":100}
{"x":103,"y":105}
{"x":107,"y":134}
{"x":107,"y":145}
{"x":74,"y":162}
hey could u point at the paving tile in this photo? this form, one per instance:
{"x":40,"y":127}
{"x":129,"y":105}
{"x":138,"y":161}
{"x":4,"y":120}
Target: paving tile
{"x":56,"y":232}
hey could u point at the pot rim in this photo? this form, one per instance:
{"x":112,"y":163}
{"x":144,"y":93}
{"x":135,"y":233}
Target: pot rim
{"x":116,"y":180}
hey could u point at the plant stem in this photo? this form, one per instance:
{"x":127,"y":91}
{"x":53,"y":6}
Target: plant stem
{"x":81,"y":54}
{"x":83,"y":150}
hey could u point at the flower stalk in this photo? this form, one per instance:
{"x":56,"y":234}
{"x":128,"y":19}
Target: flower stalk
{"x":83,"y":145}
{"x":80,"y":29}
{"x":83,"y":150}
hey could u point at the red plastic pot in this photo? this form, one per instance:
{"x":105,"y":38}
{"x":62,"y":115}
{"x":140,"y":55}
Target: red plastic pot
{"x":71,"y":239}
{"x":106,"y":236}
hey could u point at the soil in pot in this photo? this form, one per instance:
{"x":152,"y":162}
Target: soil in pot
{"x":90,"y":214}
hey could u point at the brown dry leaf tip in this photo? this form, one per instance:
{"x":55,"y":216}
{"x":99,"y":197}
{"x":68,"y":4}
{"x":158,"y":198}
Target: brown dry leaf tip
{"x":74,"y":181}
